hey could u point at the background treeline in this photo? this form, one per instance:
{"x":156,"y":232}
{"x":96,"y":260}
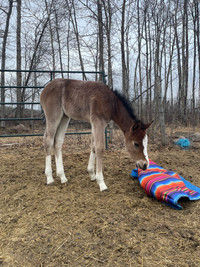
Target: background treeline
{"x":150,"y":50}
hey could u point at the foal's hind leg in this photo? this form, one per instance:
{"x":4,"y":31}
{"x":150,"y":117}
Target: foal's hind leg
{"x":91,"y":163}
{"x":48,"y":146}
{"x":59,"y":138}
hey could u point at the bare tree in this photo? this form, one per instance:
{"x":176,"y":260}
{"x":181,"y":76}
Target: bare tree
{"x":185,"y":55}
{"x":48,"y":9}
{"x":100,"y":35}
{"x":197,"y":14}
{"x":72,"y":10}
{"x":58,"y":37}
{"x":139,"y":58}
{"x":19,"y":75}
{"x":123,"y":58}
{"x":148,"y":45}
{"x":108,"y":26}
{"x":3,"y":58}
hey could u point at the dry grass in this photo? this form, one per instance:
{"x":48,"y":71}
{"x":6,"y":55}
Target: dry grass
{"x":77,"y":225}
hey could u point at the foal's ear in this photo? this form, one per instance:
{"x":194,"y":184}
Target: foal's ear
{"x":147,"y":125}
{"x":136,"y":126}
{"x":140,"y":125}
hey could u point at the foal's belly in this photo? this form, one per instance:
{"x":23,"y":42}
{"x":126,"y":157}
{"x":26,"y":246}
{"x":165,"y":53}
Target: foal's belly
{"x":80,"y":118}
{"x":77,"y":114}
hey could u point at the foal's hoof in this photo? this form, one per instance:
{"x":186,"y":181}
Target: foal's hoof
{"x":103,"y":187}
{"x":64,"y":180}
{"x":50,"y":181}
{"x":105,"y":190}
{"x":92,"y":176}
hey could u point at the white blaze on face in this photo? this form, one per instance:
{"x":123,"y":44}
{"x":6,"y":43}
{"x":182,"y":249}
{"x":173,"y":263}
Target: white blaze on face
{"x":145,"y":143}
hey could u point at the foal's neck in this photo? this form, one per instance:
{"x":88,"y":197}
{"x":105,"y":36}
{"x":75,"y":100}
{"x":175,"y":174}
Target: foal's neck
{"x":122,"y":117}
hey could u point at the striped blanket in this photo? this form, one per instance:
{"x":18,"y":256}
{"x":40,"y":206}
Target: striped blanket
{"x":166,"y":186}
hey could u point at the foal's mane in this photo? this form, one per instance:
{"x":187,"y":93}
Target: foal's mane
{"x":126,"y":103}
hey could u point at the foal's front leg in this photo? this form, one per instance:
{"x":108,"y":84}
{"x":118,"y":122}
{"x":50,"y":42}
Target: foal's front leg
{"x":99,"y":171}
{"x":91,"y":165}
{"x":99,"y":143}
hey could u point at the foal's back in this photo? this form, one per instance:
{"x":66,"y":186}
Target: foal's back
{"x":80,"y":100}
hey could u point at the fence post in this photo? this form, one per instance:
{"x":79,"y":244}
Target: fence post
{"x":51,"y":75}
{"x":103,"y":77}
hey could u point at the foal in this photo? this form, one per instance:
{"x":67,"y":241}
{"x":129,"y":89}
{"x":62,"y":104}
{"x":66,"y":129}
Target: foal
{"x":93,"y":102}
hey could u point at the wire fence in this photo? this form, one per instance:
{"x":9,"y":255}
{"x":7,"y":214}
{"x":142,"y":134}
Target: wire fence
{"x":31,"y":114}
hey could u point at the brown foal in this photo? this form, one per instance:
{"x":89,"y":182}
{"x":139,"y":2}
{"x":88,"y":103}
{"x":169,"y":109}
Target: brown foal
{"x":93,"y":102}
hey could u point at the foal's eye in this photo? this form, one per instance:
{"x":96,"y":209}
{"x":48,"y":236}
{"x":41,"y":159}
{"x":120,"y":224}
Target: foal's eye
{"x":136,"y":144}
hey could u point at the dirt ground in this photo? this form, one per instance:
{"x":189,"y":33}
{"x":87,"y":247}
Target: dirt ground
{"x":77,"y":225}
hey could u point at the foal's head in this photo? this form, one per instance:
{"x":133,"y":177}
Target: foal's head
{"x":136,"y":141}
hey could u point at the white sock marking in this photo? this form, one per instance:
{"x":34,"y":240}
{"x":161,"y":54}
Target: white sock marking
{"x":59,"y":168}
{"x":145,"y":143}
{"x":100,"y":181}
{"x":48,"y":170}
{"x":91,"y":164}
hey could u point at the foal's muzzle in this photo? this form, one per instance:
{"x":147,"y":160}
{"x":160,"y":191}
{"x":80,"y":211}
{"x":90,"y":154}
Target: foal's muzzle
{"x":141,"y":165}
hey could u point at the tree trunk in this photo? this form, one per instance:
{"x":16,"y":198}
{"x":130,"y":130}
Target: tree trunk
{"x":101,"y":42}
{"x":194,"y":18}
{"x":58,"y":40}
{"x":68,"y":48}
{"x":19,"y":75}
{"x":125,"y":77}
{"x":198,"y":39}
{"x":178,"y":50}
{"x":158,"y":84}
{"x":108,"y":25}
{"x":184,"y":63}
{"x":139,"y":59}
{"x":127,"y":62}
{"x":75,"y":27}
{"x":150,"y":69}
{"x":147,"y":63}
{"x":168,"y":72}
{"x":186,"y":59}
{"x":51,"y":38}
{"x":3,"y":61}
